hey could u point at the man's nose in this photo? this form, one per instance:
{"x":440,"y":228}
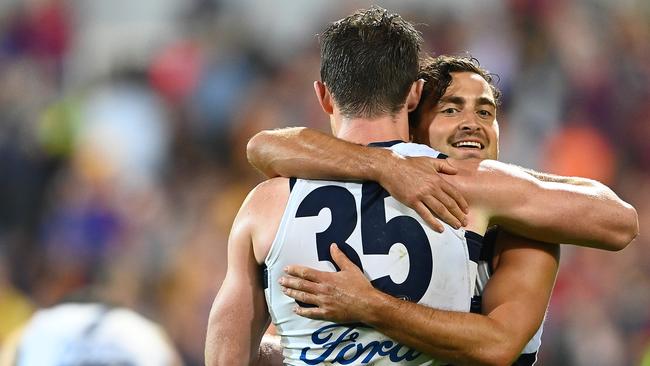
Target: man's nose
{"x":469,"y":124}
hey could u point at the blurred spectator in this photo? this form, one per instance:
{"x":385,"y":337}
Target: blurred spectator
{"x":573,"y":150}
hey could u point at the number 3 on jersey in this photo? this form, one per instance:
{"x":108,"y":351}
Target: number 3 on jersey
{"x":377,"y":235}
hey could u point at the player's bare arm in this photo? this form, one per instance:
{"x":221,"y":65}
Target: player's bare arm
{"x":414,"y":181}
{"x":517,"y":294}
{"x":597,"y":187}
{"x":554,"y":212}
{"x":513,"y":305}
{"x":239,"y":315}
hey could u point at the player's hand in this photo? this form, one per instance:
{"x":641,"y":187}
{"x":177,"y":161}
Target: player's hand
{"x":417,"y":183}
{"x":341,"y":297}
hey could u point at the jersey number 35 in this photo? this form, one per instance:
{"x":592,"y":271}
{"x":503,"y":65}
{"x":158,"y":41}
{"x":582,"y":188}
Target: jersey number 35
{"x":378,"y":235}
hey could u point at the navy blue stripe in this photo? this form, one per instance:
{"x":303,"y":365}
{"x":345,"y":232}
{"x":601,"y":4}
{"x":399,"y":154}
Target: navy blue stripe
{"x":305,"y":305}
{"x":476,"y":305}
{"x":355,"y":325}
{"x":526,"y":359}
{"x":442,"y":156}
{"x":487,"y":252}
{"x":475,"y":236}
{"x":292,"y":182}
{"x":385,"y":143}
{"x":474,"y":245}
{"x":264,"y":272}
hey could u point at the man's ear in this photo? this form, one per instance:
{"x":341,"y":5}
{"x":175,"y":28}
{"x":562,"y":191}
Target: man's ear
{"x":415,"y":93}
{"x":324,"y":97}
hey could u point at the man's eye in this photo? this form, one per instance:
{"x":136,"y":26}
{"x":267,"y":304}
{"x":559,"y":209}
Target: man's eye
{"x":449,"y":110}
{"x":484,"y":113}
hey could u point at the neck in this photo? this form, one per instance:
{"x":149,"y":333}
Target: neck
{"x":367,"y":130}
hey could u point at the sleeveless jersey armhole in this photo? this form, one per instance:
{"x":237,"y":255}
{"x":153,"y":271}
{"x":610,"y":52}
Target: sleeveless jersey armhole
{"x":264,"y":271}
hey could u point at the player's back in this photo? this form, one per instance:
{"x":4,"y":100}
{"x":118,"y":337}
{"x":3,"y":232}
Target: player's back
{"x":393,"y":246}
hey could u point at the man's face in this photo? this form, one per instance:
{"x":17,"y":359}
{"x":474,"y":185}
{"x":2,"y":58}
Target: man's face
{"x":463,"y":124}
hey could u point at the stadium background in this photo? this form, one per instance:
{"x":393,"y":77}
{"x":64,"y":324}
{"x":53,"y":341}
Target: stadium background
{"x":123,"y":127}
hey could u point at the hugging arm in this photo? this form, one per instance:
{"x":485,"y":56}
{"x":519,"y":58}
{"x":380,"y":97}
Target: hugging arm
{"x":314,"y":155}
{"x":309,"y":154}
{"x":551,"y":211}
{"x":239,"y":315}
{"x":514,"y":304}
{"x":592,"y":185}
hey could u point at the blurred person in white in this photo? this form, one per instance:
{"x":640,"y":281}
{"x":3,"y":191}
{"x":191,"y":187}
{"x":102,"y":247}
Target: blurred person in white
{"x":457,"y":115}
{"x":265,"y":233}
{"x":89,"y":334}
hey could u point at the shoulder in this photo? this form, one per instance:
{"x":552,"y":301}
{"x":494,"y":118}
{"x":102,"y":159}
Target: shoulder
{"x":262,"y":212}
{"x":272,"y":186}
{"x":268,"y":193}
{"x":266,"y":196}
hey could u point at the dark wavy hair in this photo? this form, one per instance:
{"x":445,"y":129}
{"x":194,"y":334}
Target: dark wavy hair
{"x":436,"y":73}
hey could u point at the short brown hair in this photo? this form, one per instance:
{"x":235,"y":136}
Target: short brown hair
{"x":369,"y":60}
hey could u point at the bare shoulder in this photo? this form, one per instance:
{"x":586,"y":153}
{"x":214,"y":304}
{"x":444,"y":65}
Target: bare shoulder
{"x":272,"y":188}
{"x":264,"y":208}
{"x":264,"y":195}
{"x":265,"y":198}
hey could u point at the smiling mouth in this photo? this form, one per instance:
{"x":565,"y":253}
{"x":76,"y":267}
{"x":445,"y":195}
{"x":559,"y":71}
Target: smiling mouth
{"x":468,"y":145}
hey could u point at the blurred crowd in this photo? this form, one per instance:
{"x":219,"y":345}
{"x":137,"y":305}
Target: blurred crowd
{"x":123,"y":127}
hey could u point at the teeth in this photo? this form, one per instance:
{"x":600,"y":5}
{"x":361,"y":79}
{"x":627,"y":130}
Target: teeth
{"x":469,"y":144}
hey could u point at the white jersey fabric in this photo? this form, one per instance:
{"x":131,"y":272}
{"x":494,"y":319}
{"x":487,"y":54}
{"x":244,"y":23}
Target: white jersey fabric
{"x":394,"y":247}
{"x":78,"y":334}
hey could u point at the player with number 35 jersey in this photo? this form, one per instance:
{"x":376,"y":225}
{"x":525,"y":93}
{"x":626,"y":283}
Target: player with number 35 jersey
{"x":397,"y":251}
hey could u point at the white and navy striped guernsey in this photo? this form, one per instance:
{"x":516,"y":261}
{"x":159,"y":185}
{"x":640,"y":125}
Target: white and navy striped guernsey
{"x":393,"y":246}
{"x":481,"y":251}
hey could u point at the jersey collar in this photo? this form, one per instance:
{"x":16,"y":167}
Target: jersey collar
{"x":385,"y":143}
